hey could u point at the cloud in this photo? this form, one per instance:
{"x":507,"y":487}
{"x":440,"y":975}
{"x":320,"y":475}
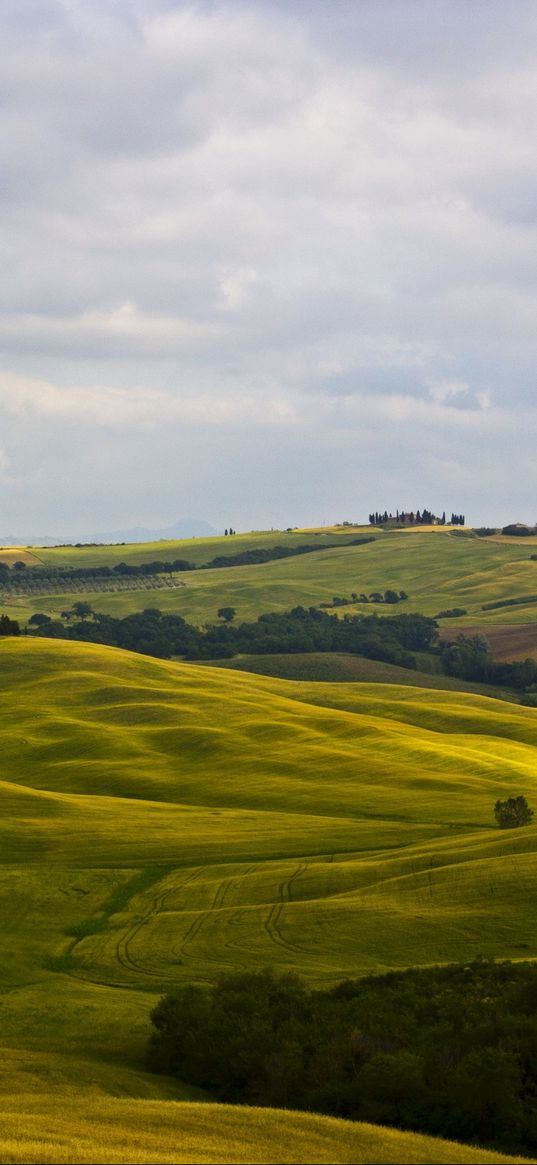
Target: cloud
{"x":236,"y":215}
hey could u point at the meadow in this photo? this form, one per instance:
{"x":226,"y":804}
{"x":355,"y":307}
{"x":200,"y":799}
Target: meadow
{"x":163,"y":822}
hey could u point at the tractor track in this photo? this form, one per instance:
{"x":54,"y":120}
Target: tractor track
{"x":123,"y":946}
{"x":272,"y":921}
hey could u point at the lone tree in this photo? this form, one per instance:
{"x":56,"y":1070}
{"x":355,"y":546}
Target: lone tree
{"x":83,"y":610}
{"x":513,"y":812}
{"x":39,"y":620}
{"x":227,"y":614}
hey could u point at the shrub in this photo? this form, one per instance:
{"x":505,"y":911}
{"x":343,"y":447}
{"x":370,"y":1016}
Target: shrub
{"x":512,"y":813}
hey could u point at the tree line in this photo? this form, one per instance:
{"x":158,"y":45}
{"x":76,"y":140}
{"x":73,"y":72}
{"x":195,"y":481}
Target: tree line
{"x":449,"y":1051}
{"x":469,"y":657}
{"x":389,"y":596}
{"x":423,"y":517}
{"x":300,"y":630}
{"x":20,"y":575}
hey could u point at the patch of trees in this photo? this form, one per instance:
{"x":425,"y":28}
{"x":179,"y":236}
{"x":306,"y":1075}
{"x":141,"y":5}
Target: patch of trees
{"x":300,"y":630}
{"x":150,"y":631}
{"x":450,"y":1051}
{"x":310,"y":629}
{"x":388,"y":596}
{"x":485,"y":531}
{"x":9,"y":626}
{"x":451,"y":613}
{"x":519,"y":530}
{"x":469,"y":657}
{"x":423,"y":517}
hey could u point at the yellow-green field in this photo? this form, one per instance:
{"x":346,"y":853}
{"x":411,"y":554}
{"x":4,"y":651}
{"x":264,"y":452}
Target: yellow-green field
{"x":105,"y":1129}
{"x":164,"y":822}
{"x":438,"y":569}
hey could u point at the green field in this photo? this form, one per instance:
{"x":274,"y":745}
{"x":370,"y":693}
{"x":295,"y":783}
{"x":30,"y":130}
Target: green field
{"x":164,"y":822}
{"x":439,"y":570}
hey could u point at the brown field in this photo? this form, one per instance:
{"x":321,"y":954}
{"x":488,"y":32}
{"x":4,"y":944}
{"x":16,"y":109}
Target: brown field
{"x":11,"y":554}
{"x":507,"y":641}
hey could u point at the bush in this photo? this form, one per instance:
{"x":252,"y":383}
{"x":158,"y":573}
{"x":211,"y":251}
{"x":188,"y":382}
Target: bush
{"x":512,"y":813}
{"x":518,"y":530}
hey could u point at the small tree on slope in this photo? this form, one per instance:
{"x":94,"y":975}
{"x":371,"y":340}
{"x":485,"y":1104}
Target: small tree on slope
{"x":513,"y":812}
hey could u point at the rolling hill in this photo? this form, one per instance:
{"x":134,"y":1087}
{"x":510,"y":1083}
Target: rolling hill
{"x":164,"y":822}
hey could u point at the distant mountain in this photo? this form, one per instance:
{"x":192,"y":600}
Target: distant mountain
{"x":185,"y":528}
{"x":30,"y":540}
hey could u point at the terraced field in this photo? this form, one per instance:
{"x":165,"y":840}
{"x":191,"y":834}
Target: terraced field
{"x":163,"y":822}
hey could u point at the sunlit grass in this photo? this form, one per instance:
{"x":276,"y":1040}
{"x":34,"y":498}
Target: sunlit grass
{"x":144,"y":1131}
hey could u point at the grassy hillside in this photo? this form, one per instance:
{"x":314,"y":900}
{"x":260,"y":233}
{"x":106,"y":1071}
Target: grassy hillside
{"x":164,"y":822}
{"x":341,"y":667}
{"x":439,"y":570}
{"x":197,"y":550}
{"x":234,"y":791}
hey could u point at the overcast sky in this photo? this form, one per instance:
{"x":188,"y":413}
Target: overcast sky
{"x":267,"y":263}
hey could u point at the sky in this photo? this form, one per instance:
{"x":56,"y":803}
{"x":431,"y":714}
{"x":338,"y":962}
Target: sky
{"x":267,"y":264}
